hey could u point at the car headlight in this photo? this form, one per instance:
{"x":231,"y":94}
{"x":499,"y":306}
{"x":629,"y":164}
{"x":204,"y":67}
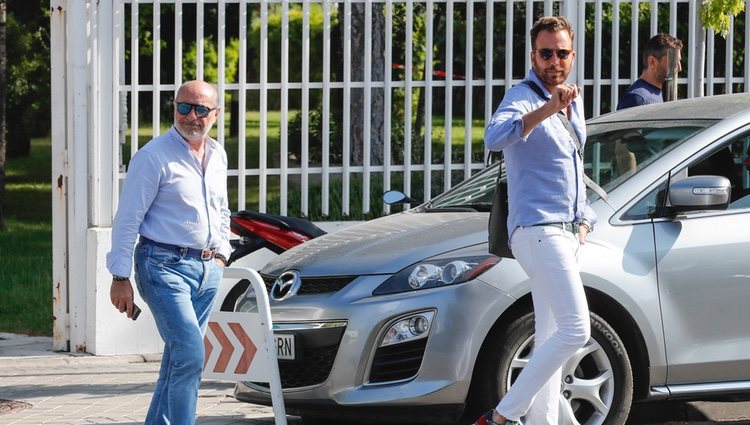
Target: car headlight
{"x":436,"y":273}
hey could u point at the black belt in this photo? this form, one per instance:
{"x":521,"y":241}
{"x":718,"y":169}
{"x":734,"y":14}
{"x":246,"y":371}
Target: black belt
{"x":570,"y":226}
{"x":203,"y":254}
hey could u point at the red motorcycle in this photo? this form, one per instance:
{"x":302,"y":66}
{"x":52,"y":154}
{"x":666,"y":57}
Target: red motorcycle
{"x":276,"y":233}
{"x":259,"y":230}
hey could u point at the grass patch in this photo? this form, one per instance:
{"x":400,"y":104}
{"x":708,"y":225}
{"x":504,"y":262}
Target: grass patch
{"x":26,"y":244}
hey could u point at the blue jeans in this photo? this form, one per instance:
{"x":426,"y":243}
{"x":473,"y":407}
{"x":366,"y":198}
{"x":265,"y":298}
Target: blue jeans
{"x":180,"y":292}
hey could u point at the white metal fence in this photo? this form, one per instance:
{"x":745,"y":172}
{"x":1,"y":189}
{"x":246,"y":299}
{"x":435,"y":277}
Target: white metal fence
{"x":326,"y":102}
{"x":433,"y":53}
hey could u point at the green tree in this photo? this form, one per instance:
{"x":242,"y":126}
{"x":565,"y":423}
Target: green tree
{"x":716,"y":14}
{"x":28,"y":75}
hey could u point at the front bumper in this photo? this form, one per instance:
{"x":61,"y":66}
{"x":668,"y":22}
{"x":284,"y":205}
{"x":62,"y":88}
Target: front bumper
{"x":433,"y":373}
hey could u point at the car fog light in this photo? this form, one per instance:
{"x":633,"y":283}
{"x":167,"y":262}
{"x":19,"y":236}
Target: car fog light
{"x":422,"y":274}
{"x":409,"y":328}
{"x":418,"y":325}
{"x":453,"y":271}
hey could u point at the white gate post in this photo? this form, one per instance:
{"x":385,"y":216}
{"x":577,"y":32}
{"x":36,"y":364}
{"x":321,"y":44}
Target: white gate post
{"x":71,"y":135}
{"x":60,"y":330}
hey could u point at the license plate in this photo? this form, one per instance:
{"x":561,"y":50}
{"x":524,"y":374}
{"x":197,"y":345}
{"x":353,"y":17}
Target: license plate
{"x":284,"y":346}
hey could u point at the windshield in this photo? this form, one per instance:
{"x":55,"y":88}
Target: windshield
{"x":614,"y":152}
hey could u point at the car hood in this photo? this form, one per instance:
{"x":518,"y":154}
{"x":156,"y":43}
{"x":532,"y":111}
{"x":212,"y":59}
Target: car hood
{"x":384,"y":245}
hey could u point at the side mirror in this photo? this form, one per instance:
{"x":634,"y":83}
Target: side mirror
{"x":393,"y":197}
{"x":696,"y":193}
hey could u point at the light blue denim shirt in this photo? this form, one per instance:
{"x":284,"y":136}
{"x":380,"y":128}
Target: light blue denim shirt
{"x":545,"y":174}
{"x":168,"y":198}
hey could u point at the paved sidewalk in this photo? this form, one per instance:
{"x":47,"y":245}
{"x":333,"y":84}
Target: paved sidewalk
{"x":68,"y":389}
{"x":64,"y":389}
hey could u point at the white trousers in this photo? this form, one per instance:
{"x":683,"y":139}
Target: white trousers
{"x":548,"y":255}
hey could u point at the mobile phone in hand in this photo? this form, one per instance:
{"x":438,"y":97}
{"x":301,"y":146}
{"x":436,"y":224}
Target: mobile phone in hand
{"x":136,"y":312}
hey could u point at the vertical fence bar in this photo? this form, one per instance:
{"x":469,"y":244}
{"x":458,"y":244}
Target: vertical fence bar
{"x":387,"y":100}
{"x":579,"y":11}
{"x":283,"y":125}
{"x":526,"y":40}
{"x":221,"y":69}
{"x":346,"y":133}
{"x":97,"y":150}
{"x":710,"y":78}
{"x":199,"y":40}
{"x":242,"y":109}
{"x":469,"y":84}
{"x":597,"y":77}
{"x":304,"y":178}
{"x":427,"y":177}
{"x":489,"y":67}
{"x":634,"y":50}
{"x":134,"y":55}
{"x":263,"y":139}
{"x":366,"y":127}
{"x":325,"y":178}
{"x":156,"y":71}
{"x":614,"y":58}
{"x":728,"y":57}
{"x":408,"y":66}
{"x":448,"y":125}
{"x":178,"y":44}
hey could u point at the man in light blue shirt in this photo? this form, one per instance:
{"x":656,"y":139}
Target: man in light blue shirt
{"x":175,"y":198}
{"x":548,"y":217}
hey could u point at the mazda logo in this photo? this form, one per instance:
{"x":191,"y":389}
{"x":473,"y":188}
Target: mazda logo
{"x":286,"y":286}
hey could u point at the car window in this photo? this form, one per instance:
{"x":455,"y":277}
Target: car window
{"x":615,"y":152}
{"x":731,"y":160}
{"x":647,"y":207}
{"x":741,"y":185}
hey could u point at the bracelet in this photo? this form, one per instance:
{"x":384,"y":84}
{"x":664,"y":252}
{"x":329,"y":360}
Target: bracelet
{"x":119,"y":278}
{"x":585,"y":223}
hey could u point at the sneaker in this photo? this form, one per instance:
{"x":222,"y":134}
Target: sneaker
{"x":486,"y":419}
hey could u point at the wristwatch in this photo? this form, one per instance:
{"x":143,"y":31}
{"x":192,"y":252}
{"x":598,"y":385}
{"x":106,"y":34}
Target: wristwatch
{"x":119,"y":278}
{"x":586,"y":223}
{"x":221,"y":257}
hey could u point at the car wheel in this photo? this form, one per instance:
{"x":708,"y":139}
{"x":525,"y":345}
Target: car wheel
{"x":597,"y":383}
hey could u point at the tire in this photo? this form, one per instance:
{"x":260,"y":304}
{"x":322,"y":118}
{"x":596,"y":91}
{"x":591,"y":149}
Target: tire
{"x":600,"y":369}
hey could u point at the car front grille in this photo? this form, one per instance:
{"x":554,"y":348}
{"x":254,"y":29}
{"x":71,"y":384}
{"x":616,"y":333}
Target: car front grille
{"x":316,"y":352}
{"x":313,"y":371}
{"x":397,"y":362}
{"x":314,"y":285}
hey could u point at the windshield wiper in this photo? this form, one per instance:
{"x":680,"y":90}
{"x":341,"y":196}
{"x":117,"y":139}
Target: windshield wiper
{"x":473,"y":207}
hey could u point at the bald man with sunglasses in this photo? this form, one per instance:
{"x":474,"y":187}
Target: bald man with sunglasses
{"x":540,"y":128}
{"x":174,"y":202}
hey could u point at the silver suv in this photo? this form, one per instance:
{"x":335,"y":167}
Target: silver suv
{"x":409,"y":317}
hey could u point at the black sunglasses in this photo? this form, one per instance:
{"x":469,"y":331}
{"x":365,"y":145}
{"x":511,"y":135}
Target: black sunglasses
{"x":546,"y":54}
{"x":201,"y":111}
